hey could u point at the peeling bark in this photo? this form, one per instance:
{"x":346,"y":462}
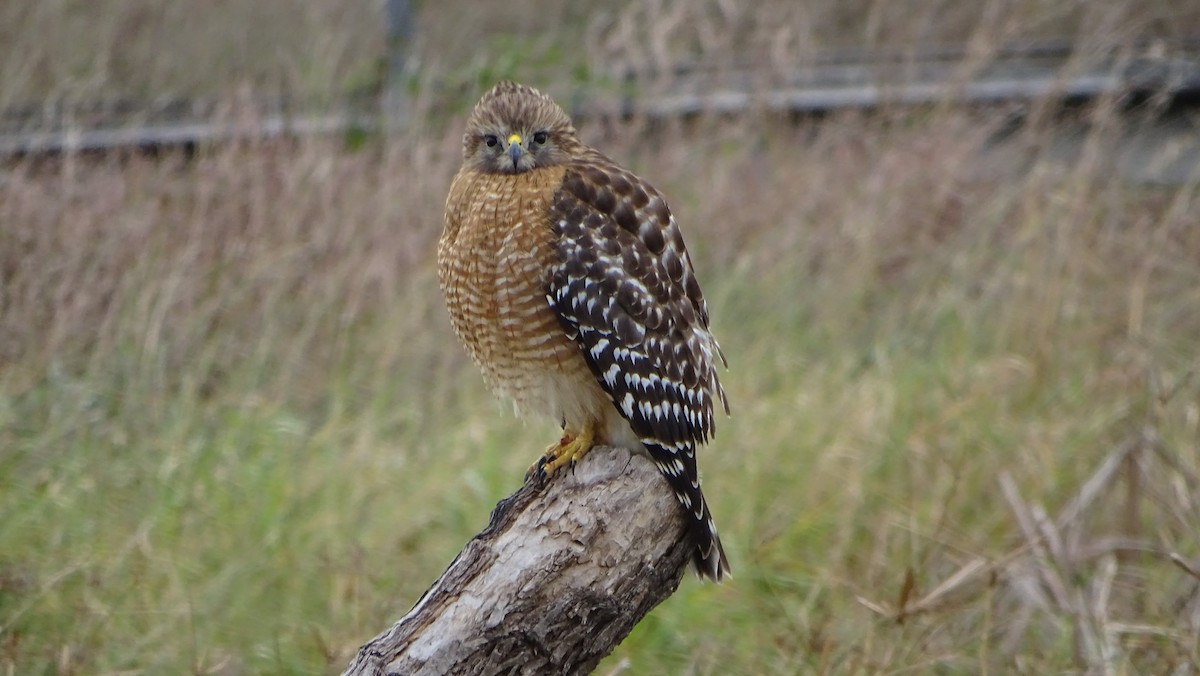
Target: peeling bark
{"x":556,"y":580}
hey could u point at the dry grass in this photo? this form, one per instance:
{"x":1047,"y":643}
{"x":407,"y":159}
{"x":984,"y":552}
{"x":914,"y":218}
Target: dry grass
{"x":74,"y":52}
{"x":236,"y":434}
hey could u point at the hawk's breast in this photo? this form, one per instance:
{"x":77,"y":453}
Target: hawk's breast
{"x":494,"y":262}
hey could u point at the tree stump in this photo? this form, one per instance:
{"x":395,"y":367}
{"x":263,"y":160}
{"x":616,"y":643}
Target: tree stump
{"x":557,"y":579}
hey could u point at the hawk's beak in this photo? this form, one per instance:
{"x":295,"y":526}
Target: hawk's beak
{"x":515,"y":151}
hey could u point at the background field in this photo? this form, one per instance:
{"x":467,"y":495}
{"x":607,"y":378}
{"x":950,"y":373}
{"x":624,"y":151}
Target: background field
{"x":237,"y":436}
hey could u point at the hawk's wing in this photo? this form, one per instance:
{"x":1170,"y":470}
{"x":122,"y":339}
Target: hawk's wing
{"x":625,"y":290}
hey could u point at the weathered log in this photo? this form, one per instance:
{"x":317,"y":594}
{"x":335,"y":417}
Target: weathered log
{"x":557,"y":579}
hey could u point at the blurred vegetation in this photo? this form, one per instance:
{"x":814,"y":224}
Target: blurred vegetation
{"x":236,"y":435}
{"x":76,"y":51}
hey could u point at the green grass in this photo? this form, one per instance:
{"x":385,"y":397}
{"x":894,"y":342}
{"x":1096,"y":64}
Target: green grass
{"x":243,"y":439}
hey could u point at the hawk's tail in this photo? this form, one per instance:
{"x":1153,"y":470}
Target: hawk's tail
{"x":679,"y":468}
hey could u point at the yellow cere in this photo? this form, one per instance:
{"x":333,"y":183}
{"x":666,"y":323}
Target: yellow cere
{"x":515,"y":138}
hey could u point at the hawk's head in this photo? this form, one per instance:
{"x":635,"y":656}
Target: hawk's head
{"x":515,"y":128}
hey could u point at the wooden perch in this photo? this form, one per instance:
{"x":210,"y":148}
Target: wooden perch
{"x":561,"y":574}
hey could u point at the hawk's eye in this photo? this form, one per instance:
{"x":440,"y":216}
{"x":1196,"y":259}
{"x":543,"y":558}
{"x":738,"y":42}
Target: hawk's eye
{"x":490,"y":140}
{"x":541,"y":137}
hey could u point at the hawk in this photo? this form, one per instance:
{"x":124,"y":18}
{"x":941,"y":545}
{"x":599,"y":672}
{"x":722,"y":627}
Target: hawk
{"x":567,"y":280}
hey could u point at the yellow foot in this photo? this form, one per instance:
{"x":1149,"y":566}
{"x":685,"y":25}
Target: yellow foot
{"x":570,"y":449}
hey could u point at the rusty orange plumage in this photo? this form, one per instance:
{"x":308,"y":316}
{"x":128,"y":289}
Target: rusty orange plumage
{"x":567,"y":279}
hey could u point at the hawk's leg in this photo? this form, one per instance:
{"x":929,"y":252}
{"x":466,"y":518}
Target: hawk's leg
{"x":570,"y":449}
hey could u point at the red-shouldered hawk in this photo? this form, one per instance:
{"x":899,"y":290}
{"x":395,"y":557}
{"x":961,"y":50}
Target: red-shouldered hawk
{"x":568,"y":281}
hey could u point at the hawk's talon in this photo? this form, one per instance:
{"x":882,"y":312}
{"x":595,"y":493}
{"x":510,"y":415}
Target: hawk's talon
{"x":537,"y":471}
{"x":567,"y":452}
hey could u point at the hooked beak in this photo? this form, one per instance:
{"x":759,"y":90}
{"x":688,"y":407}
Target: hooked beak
{"x":515,"y":151}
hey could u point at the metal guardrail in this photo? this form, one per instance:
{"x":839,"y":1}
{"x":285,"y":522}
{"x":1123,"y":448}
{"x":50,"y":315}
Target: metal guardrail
{"x":182,"y":133}
{"x":844,"y":80}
